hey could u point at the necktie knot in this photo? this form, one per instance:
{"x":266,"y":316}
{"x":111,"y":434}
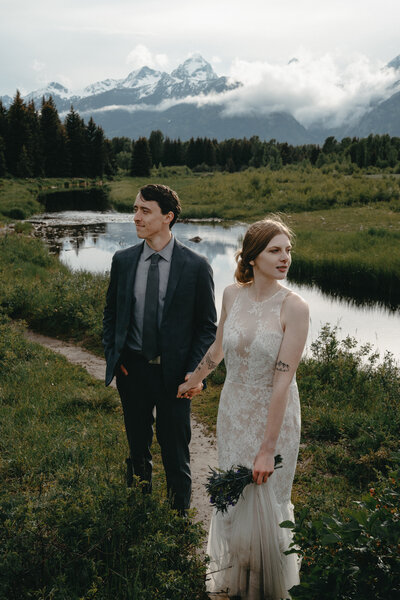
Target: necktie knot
{"x":154,"y":259}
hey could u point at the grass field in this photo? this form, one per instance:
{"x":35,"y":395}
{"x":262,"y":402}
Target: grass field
{"x":69,"y":527}
{"x":62,"y":473}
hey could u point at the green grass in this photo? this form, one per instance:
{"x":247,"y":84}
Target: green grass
{"x":251,"y":194}
{"x":69,"y":528}
{"x":34,"y":286}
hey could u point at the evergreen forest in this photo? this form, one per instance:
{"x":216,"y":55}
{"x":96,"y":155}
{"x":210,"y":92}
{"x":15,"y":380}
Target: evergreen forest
{"x":37,"y":143}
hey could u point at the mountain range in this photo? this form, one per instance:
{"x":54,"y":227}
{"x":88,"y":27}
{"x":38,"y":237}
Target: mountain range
{"x":147,"y":100}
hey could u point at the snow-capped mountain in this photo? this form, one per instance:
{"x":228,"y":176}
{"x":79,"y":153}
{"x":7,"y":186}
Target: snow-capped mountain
{"x":193,"y":77}
{"x":135,"y":105}
{"x":52,"y":89}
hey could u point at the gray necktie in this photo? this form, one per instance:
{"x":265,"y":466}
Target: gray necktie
{"x":150,"y":347}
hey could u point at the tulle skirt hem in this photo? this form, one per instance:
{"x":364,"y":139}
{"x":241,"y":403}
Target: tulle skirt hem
{"x":246,"y":547}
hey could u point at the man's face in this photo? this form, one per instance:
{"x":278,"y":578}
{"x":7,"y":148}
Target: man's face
{"x":149,"y":220}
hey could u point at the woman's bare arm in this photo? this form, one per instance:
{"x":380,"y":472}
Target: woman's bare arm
{"x":295,"y":319}
{"x":214,"y":354}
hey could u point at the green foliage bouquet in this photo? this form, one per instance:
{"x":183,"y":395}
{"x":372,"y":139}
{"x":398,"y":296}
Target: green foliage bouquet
{"x":226,"y":487}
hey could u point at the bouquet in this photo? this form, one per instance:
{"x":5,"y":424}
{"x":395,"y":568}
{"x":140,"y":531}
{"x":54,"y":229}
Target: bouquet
{"x":226,"y":487}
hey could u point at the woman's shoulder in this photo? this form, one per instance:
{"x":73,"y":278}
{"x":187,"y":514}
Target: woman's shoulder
{"x":232,"y":290}
{"x":295,"y":303}
{"x":230,"y":294}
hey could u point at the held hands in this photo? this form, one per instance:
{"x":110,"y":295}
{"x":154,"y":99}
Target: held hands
{"x":263,"y":466}
{"x":185,"y":390}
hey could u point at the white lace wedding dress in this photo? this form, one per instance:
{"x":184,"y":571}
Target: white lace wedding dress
{"x":246,"y":545}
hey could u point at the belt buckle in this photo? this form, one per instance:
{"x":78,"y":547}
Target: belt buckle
{"x":155,"y":361}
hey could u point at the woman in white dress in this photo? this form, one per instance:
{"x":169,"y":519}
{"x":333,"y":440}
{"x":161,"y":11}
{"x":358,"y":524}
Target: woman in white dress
{"x":261,"y":334}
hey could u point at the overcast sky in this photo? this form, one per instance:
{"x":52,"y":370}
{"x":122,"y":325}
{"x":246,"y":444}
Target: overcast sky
{"x":341,"y":45}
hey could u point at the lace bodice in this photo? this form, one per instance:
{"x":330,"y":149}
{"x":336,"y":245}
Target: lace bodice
{"x":252,"y":338}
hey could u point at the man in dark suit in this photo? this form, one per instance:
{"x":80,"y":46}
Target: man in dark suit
{"x":159,"y":321}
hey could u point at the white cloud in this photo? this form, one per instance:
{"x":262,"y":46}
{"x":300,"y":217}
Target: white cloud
{"x":141,"y":56}
{"x":38,"y":65}
{"x":311,"y":88}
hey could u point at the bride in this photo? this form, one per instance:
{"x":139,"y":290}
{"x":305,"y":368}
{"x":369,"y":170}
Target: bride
{"x":261,"y":335}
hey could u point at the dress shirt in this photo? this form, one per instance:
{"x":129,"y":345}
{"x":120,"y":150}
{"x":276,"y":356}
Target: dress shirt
{"x":135,"y":333}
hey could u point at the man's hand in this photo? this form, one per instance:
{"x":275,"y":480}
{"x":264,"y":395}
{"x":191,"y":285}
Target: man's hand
{"x":185,"y":392}
{"x":123,"y":369}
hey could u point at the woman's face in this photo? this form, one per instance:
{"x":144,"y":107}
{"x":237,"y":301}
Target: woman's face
{"x":274,"y":261}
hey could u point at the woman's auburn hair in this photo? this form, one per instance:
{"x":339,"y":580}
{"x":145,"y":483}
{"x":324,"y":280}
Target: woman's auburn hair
{"x":256,"y":238}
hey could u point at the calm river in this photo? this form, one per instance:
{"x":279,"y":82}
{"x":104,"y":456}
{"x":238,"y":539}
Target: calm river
{"x":88,"y":240}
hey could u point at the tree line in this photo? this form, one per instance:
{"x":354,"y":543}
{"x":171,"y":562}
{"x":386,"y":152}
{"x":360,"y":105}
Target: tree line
{"x":37,"y":144}
{"x":204,"y":154}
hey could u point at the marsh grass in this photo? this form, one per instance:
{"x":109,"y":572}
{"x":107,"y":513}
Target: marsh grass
{"x":35,"y":287}
{"x":252,"y":193}
{"x":69,"y":528}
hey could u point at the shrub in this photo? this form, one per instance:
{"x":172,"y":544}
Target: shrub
{"x":354,"y":554}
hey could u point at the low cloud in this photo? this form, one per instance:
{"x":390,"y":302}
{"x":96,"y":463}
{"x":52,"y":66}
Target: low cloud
{"x":141,"y":56}
{"x":311,"y":89}
{"x":38,"y":66}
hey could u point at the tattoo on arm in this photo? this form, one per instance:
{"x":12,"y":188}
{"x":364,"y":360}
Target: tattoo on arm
{"x":208,"y":361}
{"x":281,"y":366}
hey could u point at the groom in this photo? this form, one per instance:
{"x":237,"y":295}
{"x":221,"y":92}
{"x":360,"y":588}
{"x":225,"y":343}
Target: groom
{"x":159,"y":320}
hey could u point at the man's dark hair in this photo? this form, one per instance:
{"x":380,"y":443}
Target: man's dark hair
{"x":167,"y":199}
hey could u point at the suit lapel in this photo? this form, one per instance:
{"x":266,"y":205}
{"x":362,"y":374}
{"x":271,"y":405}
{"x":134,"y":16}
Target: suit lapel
{"x":177,"y":261}
{"x":131,"y":266}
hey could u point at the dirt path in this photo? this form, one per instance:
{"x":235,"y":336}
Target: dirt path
{"x":202,"y":448}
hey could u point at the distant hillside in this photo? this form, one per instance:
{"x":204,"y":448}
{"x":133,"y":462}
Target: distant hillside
{"x":384,"y":118}
{"x":187,"y":120}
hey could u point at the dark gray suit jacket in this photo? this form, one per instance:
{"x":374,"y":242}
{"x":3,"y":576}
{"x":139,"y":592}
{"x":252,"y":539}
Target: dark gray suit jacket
{"x":188,"y":321}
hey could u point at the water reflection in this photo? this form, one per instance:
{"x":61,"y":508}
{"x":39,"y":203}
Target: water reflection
{"x":91,"y":247}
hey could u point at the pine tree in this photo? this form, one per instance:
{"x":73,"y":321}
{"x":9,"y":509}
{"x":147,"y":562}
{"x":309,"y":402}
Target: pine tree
{"x":17,"y":134}
{"x":76,"y":144}
{"x":53,"y":141}
{"x":24,"y":167}
{"x":34,"y":145}
{"x":156,"y":143}
{"x":96,"y":150}
{"x":141,"y":158}
{"x":3,"y":166}
{"x":3,"y":121}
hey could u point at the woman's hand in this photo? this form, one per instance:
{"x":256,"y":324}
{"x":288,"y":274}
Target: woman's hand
{"x":263,"y":466}
{"x":186,"y":390}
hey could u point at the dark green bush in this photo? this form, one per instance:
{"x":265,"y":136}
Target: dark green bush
{"x":355,"y":554}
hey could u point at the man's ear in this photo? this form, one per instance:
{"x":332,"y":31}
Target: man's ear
{"x":170,"y":215}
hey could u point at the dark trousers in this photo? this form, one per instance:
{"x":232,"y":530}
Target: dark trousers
{"x":140,"y":391}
